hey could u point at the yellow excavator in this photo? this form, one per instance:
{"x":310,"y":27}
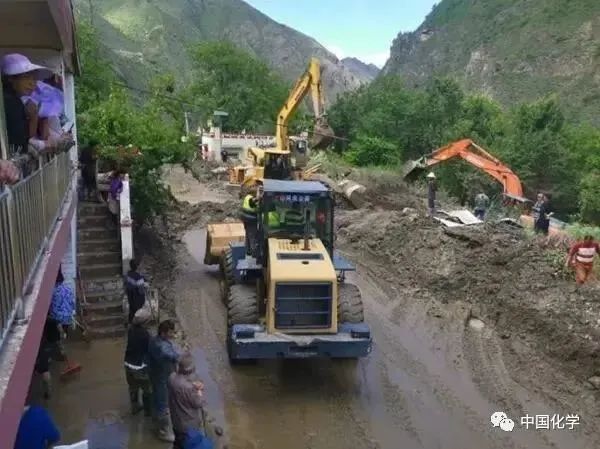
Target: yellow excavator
{"x":288,"y":159}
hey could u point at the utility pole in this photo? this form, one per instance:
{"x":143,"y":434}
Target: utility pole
{"x":187,"y":124}
{"x":91,"y":4}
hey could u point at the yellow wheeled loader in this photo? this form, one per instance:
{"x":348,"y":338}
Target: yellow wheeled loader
{"x":290,"y":298}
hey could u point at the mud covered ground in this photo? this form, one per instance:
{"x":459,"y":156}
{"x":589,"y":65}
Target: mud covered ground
{"x":464,"y":323}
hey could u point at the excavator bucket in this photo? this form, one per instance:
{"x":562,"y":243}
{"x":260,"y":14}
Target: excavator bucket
{"x":218,"y":237}
{"x":412,"y":169}
{"x":323,"y":135}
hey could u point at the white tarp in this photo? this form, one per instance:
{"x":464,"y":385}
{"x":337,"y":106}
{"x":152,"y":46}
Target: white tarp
{"x":457,"y":218}
{"x":448,"y":223}
{"x":465,"y":216}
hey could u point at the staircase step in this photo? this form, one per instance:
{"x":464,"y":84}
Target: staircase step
{"x":106,"y":285}
{"x":93,"y":221}
{"x":90,"y":258}
{"x":100,"y":271}
{"x":107,"y":332}
{"x":97,"y":233}
{"x":90,"y":246}
{"x":110,"y":307}
{"x":104,"y":321}
{"x":101,"y":297}
{"x":87,"y":208}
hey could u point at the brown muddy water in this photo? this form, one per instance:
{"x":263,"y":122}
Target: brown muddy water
{"x":426,"y":385}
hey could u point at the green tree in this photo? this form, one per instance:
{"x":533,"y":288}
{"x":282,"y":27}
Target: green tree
{"x":230,"y":79}
{"x":107,"y":114}
{"x":365,"y":151}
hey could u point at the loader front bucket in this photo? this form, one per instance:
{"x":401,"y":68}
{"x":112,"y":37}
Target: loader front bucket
{"x":218,"y":238}
{"x":323,"y":135}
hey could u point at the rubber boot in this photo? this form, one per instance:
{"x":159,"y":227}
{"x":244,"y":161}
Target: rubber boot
{"x":164,"y":430}
{"x":134,"y":401}
{"x":147,"y":402}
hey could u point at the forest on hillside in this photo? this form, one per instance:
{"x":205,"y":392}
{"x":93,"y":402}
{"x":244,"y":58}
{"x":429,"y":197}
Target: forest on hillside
{"x":383,"y":124}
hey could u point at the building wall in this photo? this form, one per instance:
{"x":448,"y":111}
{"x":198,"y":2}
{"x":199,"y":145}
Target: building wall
{"x":69,"y":261}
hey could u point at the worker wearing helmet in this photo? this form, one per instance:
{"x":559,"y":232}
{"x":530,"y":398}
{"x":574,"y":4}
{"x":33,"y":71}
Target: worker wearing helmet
{"x":250,"y":219}
{"x":273,"y":218}
{"x":431,"y":192}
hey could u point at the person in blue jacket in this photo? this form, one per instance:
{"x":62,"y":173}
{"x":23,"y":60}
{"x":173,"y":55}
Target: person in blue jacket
{"x":162,"y":360}
{"x":36,"y":429}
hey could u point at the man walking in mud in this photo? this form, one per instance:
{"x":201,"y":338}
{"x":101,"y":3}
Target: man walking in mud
{"x":581,"y":258}
{"x":162,"y":359}
{"x":185,"y":400}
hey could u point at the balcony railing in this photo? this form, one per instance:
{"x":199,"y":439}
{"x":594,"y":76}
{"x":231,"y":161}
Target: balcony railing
{"x":29,"y":212}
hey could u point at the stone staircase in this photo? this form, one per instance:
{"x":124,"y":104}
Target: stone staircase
{"x":99,"y":261}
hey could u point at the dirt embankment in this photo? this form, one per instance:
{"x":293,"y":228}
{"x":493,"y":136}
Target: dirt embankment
{"x":509,"y":280}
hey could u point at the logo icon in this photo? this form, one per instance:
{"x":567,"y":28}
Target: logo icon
{"x":500,"y":419}
{"x":497,"y":417}
{"x":507,"y":425}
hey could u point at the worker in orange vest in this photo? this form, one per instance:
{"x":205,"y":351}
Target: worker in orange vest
{"x":581,"y":258}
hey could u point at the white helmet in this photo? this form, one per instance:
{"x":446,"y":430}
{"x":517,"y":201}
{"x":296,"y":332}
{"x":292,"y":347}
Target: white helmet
{"x":431,"y":175}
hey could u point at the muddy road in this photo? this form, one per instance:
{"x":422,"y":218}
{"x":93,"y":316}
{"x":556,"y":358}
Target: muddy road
{"x":431,"y":382}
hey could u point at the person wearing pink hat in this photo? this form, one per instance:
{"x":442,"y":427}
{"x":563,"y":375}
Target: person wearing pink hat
{"x":20,"y":76}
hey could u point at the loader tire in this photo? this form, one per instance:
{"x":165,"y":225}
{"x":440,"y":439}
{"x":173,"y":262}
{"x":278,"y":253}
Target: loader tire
{"x":228,"y":278}
{"x":350,"y":306}
{"x":242,"y":306}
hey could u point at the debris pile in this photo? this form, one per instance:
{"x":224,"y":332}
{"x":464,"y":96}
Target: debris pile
{"x":507,"y":277}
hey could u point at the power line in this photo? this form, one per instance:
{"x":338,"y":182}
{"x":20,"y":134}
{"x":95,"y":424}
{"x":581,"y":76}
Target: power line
{"x":187,"y":103}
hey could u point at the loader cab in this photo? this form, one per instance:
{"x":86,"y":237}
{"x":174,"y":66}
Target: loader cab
{"x":295,"y":210}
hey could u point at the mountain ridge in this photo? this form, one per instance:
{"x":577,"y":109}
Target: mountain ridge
{"x":511,"y":50}
{"x":367,"y":71}
{"x":144,"y":38}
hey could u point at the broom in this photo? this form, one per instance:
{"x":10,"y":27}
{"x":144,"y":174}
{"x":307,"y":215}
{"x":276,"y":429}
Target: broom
{"x":70,"y":368}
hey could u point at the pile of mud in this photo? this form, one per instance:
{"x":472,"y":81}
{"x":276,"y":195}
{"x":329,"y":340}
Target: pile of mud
{"x":183,"y":216}
{"x":508,"y":278}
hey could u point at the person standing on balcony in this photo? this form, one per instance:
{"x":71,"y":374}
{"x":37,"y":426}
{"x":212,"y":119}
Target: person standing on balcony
{"x":19,"y":77}
{"x":19,"y":80}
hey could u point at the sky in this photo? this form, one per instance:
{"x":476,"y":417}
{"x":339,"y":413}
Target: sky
{"x":364,"y":29}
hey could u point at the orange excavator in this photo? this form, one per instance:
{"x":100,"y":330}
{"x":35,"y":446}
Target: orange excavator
{"x":478,"y":157}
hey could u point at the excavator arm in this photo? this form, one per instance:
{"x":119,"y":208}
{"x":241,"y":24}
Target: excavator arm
{"x":475,"y":155}
{"x":309,"y":81}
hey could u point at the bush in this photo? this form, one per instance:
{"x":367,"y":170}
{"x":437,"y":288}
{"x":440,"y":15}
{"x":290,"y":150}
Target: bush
{"x":367,"y":151}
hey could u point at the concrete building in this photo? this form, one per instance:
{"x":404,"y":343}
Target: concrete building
{"x":37,"y":215}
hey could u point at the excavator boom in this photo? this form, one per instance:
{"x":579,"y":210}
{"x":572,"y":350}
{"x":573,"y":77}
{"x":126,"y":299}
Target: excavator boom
{"x":478,"y":157}
{"x":310,"y":81}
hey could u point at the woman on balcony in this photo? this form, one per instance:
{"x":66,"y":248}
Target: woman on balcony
{"x":19,"y":81}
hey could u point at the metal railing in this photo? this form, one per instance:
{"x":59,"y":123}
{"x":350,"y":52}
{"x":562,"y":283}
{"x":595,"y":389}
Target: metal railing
{"x":28,"y":214}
